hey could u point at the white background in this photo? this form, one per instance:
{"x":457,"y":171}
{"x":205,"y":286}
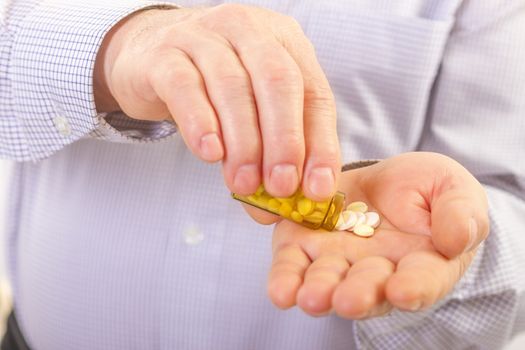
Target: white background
{"x":517,"y":344}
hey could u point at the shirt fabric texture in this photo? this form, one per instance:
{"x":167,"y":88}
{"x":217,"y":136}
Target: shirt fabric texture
{"x":120,"y":239}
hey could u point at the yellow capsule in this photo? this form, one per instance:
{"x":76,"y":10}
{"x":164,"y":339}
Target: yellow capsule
{"x":298,"y":208}
{"x":322,"y":206}
{"x":263,"y":200}
{"x":305,"y":206}
{"x":274,"y":204}
{"x":289,"y":200}
{"x":316,"y":217}
{"x":285,"y":210}
{"x":260,"y":190}
{"x":296,"y":216}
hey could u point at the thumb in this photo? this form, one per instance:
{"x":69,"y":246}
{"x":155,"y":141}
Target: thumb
{"x":459,"y":219}
{"x":261,"y":216}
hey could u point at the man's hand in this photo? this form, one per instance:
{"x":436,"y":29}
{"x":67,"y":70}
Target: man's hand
{"x":243,"y":85}
{"x":434,"y":215}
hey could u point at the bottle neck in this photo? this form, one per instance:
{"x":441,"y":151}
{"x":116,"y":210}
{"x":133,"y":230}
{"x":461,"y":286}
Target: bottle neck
{"x":334,"y":211}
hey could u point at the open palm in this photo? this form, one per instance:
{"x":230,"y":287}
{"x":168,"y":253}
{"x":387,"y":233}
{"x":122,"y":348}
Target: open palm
{"x":434,"y":214}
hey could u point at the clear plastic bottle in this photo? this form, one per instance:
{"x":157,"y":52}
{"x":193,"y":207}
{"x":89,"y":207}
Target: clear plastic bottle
{"x":298,"y":208}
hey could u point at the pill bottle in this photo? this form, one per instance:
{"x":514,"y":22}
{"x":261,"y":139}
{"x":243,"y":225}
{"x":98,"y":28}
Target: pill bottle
{"x":298,"y":208}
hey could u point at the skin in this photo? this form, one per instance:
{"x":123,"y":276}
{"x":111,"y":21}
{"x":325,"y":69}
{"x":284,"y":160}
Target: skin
{"x":434,"y":214}
{"x":243,"y":86}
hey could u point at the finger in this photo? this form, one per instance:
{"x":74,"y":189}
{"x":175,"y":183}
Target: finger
{"x":320,"y":281}
{"x":229,"y":88}
{"x":179,"y":84}
{"x":362,"y":293}
{"x":261,"y":216}
{"x":423,"y":278}
{"x":286,"y":275}
{"x":323,"y":163}
{"x":459,"y":215}
{"x":278,"y":87}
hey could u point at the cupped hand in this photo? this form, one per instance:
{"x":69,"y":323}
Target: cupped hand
{"x":434,"y":215}
{"x":242,"y":84}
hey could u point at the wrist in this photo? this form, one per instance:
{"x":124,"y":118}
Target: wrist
{"x":108,"y":53}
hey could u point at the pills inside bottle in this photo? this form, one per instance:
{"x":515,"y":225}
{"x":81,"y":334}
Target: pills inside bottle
{"x":299,"y":208}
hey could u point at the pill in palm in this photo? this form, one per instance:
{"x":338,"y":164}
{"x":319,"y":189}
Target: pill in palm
{"x":343,"y":218}
{"x":357,"y":219}
{"x":340,"y":223}
{"x":363,"y":230}
{"x":372,"y":219}
{"x":357,"y":207}
{"x":360,"y":218}
{"x":350,"y":219}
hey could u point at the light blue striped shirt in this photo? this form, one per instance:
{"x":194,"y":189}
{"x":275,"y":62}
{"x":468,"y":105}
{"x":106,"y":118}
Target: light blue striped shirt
{"x":120,"y":239}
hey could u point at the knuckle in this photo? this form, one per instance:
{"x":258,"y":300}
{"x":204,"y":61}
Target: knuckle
{"x":230,"y":19}
{"x":292,"y":142}
{"x":319,"y":94}
{"x":290,"y":33}
{"x":234,"y":93}
{"x":245,"y":152}
{"x":323,"y":149}
{"x":320,"y":105}
{"x":292,"y":25}
{"x":232,"y":10}
{"x":237,"y":82}
{"x":179,"y":78}
{"x":308,"y":47}
{"x":280,"y":74}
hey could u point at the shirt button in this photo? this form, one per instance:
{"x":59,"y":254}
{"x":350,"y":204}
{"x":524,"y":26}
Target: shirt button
{"x":62,"y":125}
{"x":192,"y":235}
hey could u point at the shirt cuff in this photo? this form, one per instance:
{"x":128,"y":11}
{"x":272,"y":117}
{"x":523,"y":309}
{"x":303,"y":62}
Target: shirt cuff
{"x":52,"y":65}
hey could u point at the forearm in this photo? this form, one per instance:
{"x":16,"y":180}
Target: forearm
{"x":47,"y":58}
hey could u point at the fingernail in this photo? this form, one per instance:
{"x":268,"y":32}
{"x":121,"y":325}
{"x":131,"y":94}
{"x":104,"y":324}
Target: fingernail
{"x":284,"y":180}
{"x":211,"y":147}
{"x":364,"y":315}
{"x":247,"y":179}
{"x":473,"y":234}
{"x":415,"y":305}
{"x":321,"y":182}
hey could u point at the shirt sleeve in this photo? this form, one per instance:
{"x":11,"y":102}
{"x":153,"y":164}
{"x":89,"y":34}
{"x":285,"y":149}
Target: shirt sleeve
{"x":476,"y":115}
{"x":47,"y":56}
